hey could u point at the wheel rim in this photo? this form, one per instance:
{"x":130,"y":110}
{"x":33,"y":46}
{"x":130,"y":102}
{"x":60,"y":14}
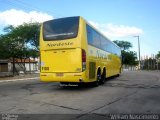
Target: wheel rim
{"x":103,"y":78}
{"x":99,"y":77}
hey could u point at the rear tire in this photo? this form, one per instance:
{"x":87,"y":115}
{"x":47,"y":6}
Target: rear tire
{"x":119,"y":72}
{"x":97,"y":82}
{"x":103,"y":78}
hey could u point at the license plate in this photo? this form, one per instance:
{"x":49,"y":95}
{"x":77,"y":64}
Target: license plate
{"x":59,"y":74}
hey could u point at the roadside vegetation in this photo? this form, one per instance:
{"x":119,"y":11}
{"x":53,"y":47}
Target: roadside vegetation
{"x":20,"y":42}
{"x":158,"y":55}
{"x":128,"y":57}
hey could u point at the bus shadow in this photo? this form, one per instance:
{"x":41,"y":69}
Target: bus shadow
{"x":78,"y":88}
{"x":82,"y":86}
{"x":111,"y":78}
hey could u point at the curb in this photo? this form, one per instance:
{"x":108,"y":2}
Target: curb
{"x":14,"y":80}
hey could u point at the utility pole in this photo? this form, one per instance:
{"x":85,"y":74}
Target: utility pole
{"x":139,"y":51}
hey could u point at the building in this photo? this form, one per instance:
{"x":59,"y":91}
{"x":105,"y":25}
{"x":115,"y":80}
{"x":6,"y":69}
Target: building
{"x":4,"y":65}
{"x":5,"y":68}
{"x":26,"y":65}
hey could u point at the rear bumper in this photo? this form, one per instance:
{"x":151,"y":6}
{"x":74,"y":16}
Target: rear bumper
{"x":67,"y":77}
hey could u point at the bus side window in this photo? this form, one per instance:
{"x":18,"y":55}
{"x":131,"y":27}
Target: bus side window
{"x":104,"y":43}
{"x":89,"y":35}
{"x":96,"y":39}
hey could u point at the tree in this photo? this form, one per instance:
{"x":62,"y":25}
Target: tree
{"x":20,"y":42}
{"x":10,"y":48}
{"x":3,"y":52}
{"x":124,"y":45}
{"x":128,"y":57}
{"x":158,"y":55}
{"x":30,"y":34}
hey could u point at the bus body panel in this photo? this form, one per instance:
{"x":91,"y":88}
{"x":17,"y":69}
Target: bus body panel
{"x":61,"y":60}
{"x":64,"y":77}
{"x":104,"y":59}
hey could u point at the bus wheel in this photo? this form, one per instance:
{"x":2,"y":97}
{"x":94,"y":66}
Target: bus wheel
{"x":103,"y":78}
{"x":119,"y":73}
{"x":97,"y":82}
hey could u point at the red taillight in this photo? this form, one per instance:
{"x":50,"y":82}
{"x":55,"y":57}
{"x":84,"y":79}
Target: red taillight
{"x":83,"y":60}
{"x":83,"y":55}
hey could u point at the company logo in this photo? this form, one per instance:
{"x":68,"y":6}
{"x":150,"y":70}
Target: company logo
{"x":101,"y":55}
{"x":60,"y":44}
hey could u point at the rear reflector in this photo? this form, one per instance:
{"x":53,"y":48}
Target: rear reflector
{"x":83,"y":59}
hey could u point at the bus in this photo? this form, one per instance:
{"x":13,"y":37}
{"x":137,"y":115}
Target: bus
{"x":73,"y":51}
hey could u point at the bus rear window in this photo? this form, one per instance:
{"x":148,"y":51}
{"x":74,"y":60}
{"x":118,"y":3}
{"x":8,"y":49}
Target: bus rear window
{"x":60,"y":29}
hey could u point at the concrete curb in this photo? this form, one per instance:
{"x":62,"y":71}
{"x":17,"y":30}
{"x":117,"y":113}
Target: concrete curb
{"x":14,"y":80}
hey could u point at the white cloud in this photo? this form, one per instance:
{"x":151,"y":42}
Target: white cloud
{"x":17,"y":17}
{"x":112,"y":30}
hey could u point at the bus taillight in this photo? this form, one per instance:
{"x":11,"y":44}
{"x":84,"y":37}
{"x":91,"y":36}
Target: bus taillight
{"x":83,"y":59}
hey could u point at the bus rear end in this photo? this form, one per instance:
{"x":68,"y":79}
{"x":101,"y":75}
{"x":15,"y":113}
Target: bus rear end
{"x":62,"y":57}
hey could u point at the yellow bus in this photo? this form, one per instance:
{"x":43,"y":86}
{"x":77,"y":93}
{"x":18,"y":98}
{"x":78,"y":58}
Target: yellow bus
{"x":73,"y":51}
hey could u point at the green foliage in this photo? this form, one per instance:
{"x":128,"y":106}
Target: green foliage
{"x":158,"y":55}
{"x":20,"y":42}
{"x":124,"y":45}
{"x":9,"y":47}
{"x":128,"y":57}
{"x":29,"y":33}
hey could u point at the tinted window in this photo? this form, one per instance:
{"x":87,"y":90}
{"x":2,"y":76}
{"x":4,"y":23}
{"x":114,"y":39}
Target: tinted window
{"x":60,"y":29}
{"x":89,"y":35}
{"x":99,"y":41}
{"x":104,"y":43}
{"x":93,"y":37}
{"x":109,"y":47}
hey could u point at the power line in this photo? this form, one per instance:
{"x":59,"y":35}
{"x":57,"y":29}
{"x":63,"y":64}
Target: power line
{"x":8,"y":3}
{"x":27,"y":6}
{"x":32,"y":7}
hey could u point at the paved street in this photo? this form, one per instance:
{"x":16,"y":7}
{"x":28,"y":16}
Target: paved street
{"x":132,"y":92}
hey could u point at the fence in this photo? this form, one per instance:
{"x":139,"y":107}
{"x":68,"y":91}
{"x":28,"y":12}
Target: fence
{"x":150,"y":64}
{"x":147,"y":63}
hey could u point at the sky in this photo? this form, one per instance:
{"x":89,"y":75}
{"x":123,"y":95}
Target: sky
{"x":116,"y":19}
